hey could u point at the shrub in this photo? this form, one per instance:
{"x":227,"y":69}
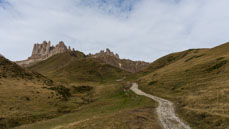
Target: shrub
{"x":217,"y":66}
{"x":63,"y":91}
{"x":82,"y":89}
{"x":152,"y":82}
{"x":197,"y":56}
{"x":220,"y":58}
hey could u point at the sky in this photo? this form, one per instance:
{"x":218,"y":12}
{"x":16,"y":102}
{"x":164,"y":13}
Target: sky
{"x":135,"y":29}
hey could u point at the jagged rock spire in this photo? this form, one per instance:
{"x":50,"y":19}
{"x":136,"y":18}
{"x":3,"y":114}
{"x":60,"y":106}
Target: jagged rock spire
{"x":113,"y":59}
{"x":43,"y":51}
{"x":108,"y":52}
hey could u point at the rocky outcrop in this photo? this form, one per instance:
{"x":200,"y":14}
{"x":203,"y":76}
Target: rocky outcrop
{"x":43,"y":51}
{"x":105,"y":54}
{"x":113,"y":59}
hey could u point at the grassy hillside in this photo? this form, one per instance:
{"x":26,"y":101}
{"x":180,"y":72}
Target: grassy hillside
{"x":27,"y":96}
{"x":11,"y":70}
{"x":74,"y":67}
{"x":103,"y":102}
{"x":21,"y":93}
{"x":114,"y":106}
{"x":197,"y":81}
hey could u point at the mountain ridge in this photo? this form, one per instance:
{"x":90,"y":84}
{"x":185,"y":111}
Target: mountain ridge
{"x":113,"y":59}
{"x":44,"y":51}
{"x":195,"y":80}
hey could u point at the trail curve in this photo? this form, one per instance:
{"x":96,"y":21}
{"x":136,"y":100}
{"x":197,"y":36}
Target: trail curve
{"x":165,"y":111}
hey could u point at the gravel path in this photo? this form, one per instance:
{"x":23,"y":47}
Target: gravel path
{"x":165,"y":111}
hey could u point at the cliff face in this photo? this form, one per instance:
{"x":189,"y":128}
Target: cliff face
{"x":45,"y":50}
{"x":42,"y":52}
{"x":109,"y":57}
{"x":104,"y":54}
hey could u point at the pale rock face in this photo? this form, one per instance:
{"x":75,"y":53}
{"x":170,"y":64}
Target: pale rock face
{"x":114,"y":60}
{"x":120,"y":65}
{"x":106,"y":53}
{"x":43,"y":51}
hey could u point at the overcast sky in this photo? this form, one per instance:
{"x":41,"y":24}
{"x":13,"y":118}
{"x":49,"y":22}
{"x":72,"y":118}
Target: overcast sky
{"x":136,"y":29}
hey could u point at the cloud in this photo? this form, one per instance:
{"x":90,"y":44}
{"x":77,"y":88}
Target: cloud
{"x":136,"y":29}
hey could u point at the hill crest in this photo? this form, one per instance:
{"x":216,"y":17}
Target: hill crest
{"x":44,"y":51}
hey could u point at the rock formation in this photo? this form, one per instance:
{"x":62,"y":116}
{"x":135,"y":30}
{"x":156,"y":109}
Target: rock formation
{"x":105,"y":54}
{"x":43,"y":51}
{"x":113,"y":59}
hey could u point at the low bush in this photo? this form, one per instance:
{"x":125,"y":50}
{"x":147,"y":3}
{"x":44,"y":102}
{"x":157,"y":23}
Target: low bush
{"x":217,"y":66}
{"x":63,"y":91}
{"x":152,"y":82}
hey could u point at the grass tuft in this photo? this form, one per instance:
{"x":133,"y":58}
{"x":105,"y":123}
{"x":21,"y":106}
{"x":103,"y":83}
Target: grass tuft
{"x":217,"y":66}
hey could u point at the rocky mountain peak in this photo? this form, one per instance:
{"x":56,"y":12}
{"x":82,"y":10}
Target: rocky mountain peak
{"x":108,"y":50}
{"x":113,"y":59}
{"x":43,"y":51}
{"x":61,"y":44}
{"x":107,"y":53}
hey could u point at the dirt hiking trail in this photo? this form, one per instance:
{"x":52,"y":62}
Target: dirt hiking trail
{"x":165,"y":111}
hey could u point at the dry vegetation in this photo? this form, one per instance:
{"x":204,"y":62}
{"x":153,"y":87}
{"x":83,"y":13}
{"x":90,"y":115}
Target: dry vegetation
{"x":27,"y":96}
{"x":113,"y":106}
{"x":90,"y":96}
{"x":73,"y":67}
{"x":197,"y":81}
{"x":124,"y":119}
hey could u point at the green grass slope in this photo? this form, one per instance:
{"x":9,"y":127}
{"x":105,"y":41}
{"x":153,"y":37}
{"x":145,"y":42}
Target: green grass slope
{"x":115,"y":107}
{"x":26,"y":96}
{"x":72,"y":67}
{"x":103,"y":101}
{"x":197,"y":81}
